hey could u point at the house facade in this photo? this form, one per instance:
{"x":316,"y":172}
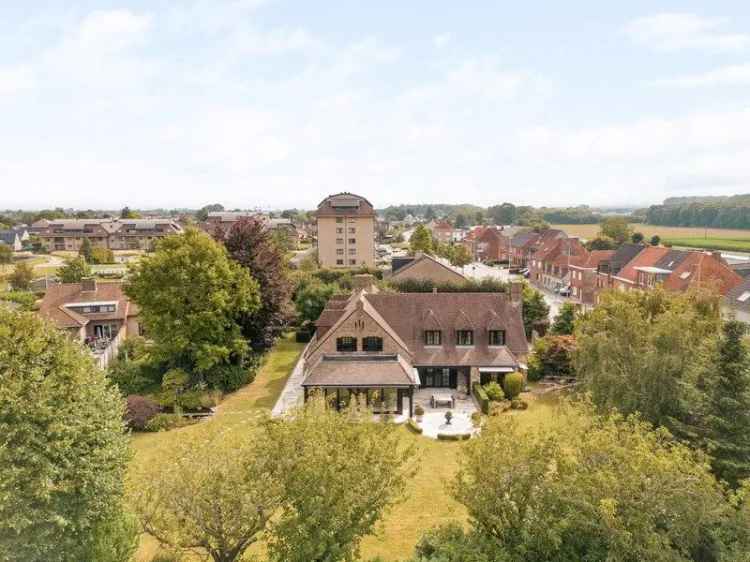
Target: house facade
{"x":346,"y":231}
{"x":381,"y":348}
{"x":113,"y":234}
{"x":522,"y":247}
{"x":550,"y":265}
{"x":441,"y":230}
{"x":584,"y":275}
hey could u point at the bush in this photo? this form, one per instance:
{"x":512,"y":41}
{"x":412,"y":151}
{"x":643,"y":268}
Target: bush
{"x":165,"y":422}
{"x":453,"y":436}
{"x":519,"y":404}
{"x":497,"y":408}
{"x":23,"y":298}
{"x":552,"y":356}
{"x":482,"y":398}
{"x":476,"y":419}
{"x":102,"y":255}
{"x":419,"y":410}
{"x":412,"y":425}
{"x":230,"y":377}
{"x":494,"y":391}
{"x":303,"y":335}
{"x":513,"y":385}
{"x":139,"y":411}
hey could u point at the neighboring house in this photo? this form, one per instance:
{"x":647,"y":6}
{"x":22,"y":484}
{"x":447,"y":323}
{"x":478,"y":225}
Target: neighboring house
{"x":492,"y":245}
{"x":224,"y":220}
{"x":423,"y":266}
{"x":550,"y":264}
{"x":736,"y":303}
{"x":114,"y":234}
{"x":382,"y":347}
{"x":99,"y":315}
{"x":584,"y":275}
{"x":522,"y":247}
{"x":12,"y":239}
{"x":346,"y":231}
{"x":742,"y":269}
{"x":441,"y":230}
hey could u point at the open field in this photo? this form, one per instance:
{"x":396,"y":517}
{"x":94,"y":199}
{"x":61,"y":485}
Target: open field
{"x":666,"y":232}
{"x":427,"y":503}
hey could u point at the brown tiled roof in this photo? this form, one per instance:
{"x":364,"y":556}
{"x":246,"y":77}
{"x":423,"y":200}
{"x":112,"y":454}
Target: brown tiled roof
{"x":360,"y":370}
{"x":701,"y":268}
{"x":595,"y":257}
{"x":645,"y":258}
{"x":52,"y":306}
{"x":424,"y":257}
{"x":345,"y":203}
{"x":524,"y":239}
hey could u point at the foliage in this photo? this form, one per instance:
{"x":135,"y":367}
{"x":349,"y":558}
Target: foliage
{"x":601,"y":243}
{"x":85,"y":250}
{"x":552,"y":356}
{"x":637,"y":237}
{"x":641,"y":352}
{"x":728,"y":417}
{"x":211,"y":495}
{"x":165,"y":422}
{"x":535,"y":310}
{"x":616,"y":228}
{"x":63,"y":451}
{"x":135,"y":370}
{"x":73,"y":270}
{"x":23,"y":298}
{"x":486,"y":285}
{"x":251,"y":245}
{"x":565,"y":320}
{"x":21,"y":276}
{"x":338,"y":474}
{"x":450,"y":543}
{"x":623,"y":493}
{"x":727,"y":244}
{"x":494,"y":391}
{"x":202,"y":213}
{"x":571,"y":215}
{"x":717,"y":212}
{"x":231,"y":377}
{"x":513,"y":384}
{"x":6,"y":254}
{"x":461,"y":256}
{"x":139,"y":410}
{"x":481,"y":397}
{"x":127,"y":213}
{"x":421,"y":240}
{"x":192,"y":298}
{"x":311,"y":300}
{"x":101,"y":256}
{"x":655,"y":240}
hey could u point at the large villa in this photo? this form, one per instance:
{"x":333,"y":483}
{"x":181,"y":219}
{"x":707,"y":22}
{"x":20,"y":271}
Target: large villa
{"x":382,"y":347}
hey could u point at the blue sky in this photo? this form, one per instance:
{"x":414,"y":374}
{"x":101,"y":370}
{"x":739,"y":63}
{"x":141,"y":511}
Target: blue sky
{"x":276,"y":103}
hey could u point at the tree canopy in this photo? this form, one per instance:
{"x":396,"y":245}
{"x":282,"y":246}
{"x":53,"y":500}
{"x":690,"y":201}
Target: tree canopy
{"x":74,"y":270}
{"x":63,"y":450}
{"x":421,"y":240}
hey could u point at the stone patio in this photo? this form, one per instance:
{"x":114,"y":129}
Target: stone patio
{"x":433,"y":421}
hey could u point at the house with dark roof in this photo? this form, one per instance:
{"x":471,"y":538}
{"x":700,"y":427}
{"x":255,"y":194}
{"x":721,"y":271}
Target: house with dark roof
{"x":736,"y":303}
{"x":114,"y":234}
{"x":522,"y":247}
{"x":382,"y":347}
{"x":12,"y":239}
{"x":95,"y":314}
{"x":423,"y":266}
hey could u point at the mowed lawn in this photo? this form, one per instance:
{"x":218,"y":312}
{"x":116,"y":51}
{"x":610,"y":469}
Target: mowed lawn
{"x":427,"y":502}
{"x":665,"y":232}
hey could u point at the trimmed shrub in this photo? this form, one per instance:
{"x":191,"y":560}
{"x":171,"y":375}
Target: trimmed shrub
{"x":165,"y":422}
{"x":494,"y":391}
{"x":519,"y":404}
{"x":139,"y":411}
{"x":419,"y":410}
{"x":482,"y":398}
{"x":513,"y":385}
{"x":453,"y":436}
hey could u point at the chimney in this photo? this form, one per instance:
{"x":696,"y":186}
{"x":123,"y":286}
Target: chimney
{"x":434,"y":290}
{"x":88,"y":284}
{"x":717,"y":255}
{"x":364,"y":282}
{"x":516,"y":291}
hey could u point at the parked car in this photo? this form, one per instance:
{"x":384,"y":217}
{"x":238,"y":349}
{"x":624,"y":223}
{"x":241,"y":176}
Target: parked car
{"x":564,"y":291}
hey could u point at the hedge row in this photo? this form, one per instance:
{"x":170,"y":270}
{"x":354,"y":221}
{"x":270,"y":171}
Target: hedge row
{"x":482,"y":398}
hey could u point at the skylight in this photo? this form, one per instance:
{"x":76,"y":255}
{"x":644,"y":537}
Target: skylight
{"x":684,"y":275}
{"x":744,"y":296}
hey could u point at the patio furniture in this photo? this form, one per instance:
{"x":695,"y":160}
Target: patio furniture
{"x":437,"y":400}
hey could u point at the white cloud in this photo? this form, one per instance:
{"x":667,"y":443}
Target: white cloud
{"x":277,"y":41}
{"x":112,"y":29}
{"x":442,"y":39}
{"x":15,"y":79}
{"x":731,"y":75}
{"x":678,"y":31}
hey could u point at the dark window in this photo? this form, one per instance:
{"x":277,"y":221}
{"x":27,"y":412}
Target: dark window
{"x":372,"y":343}
{"x":345,"y":344}
{"x":497,"y":337}
{"x":352,"y":262}
{"x":352,"y":240}
{"x":339,"y":262}
{"x":464,"y":337}
{"x":432,"y":337}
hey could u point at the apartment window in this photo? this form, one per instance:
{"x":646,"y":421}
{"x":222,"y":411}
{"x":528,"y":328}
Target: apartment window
{"x":432,"y":337}
{"x":352,"y":230}
{"x":340,"y":230}
{"x":346,"y":344}
{"x":464,"y":337}
{"x":497,"y":337}
{"x":352,"y":262}
{"x":372,"y":343}
{"x":352,"y":251}
{"x":352,"y":240}
{"x":340,"y":251}
{"x":339,"y":240}
{"x":339,"y":219}
{"x":339,"y":262}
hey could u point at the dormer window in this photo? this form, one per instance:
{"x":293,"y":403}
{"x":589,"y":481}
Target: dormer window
{"x":346,"y":344}
{"x":372,"y":343}
{"x":497,"y":337}
{"x":465,"y":337}
{"x":432,"y":337}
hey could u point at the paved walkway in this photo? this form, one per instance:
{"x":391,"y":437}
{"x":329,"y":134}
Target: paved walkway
{"x":293,"y":393}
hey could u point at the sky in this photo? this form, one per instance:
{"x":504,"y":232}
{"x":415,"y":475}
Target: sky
{"x":278,"y":103}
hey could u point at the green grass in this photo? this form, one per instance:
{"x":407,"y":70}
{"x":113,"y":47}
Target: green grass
{"x":427,"y":502}
{"x":728,"y":244}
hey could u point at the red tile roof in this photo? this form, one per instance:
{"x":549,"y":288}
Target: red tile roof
{"x":701,"y":268}
{"x":57,"y":296}
{"x":645,"y":258}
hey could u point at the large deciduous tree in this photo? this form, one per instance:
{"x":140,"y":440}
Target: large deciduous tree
{"x":616,"y":228}
{"x":564,"y":322}
{"x":535,"y":310}
{"x":192,"y":299}
{"x":63,"y":450}
{"x":338,"y":473}
{"x":251,"y":245}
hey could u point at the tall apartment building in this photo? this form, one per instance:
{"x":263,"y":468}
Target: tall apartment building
{"x":346,"y":231}
{"x":115,"y":234}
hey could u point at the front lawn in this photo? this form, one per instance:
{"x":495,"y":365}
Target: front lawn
{"x":427,"y":503}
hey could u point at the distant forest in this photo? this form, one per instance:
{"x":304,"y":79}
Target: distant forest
{"x":718,"y":212}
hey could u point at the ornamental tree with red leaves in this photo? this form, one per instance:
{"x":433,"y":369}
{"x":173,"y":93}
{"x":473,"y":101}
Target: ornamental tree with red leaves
{"x":250,"y":243}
